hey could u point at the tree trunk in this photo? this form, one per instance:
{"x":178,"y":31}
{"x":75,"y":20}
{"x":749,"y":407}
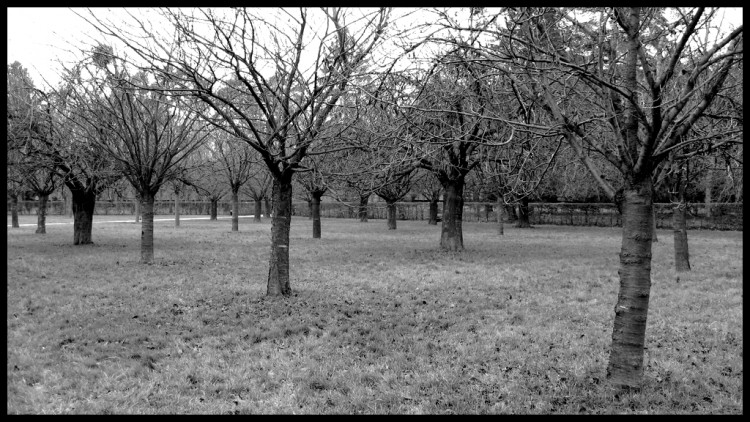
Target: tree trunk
{"x":500,"y":222}
{"x":452,"y":236}
{"x":681,"y":254}
{"x":258,"y":210}
{"x":709,"y":212}
{"x":14,"y":210}
{"x":316,"y":215}
{"x":433,"y":212}
{"x":391,"y":207}
{"x":235,"y":210}
{"x":147,"y":228}
{"x":278,"y":266}
{"x":487,"y":211}
{"x":214,"y":209}
{"x":177,"y":209}
{"x":363,"y":208}
{"x":269,"y":208}
{"x":137,"y":210}
{"x":523,"y":214}
{"x":83,"y":205}
{"x":309,"y":209}
{"x":41,"y":214}
{"x":629,"y":333}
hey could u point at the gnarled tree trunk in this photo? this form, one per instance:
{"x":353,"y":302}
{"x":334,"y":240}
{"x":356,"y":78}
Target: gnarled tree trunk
{"x":84,"y":202}
{"x":629,"y":334}
{"x":278,"y":267}
{"x":363,"y":200}
{"x":679,"y":224}
{"x":147,"y":228}
{"x":41,"y":215}
{"x":452,"y":237}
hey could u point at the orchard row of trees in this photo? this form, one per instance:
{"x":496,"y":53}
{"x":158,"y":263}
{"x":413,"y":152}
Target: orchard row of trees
{"x":350,"y":103}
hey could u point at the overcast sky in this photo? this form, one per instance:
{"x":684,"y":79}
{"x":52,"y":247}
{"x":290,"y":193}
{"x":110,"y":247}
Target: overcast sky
{"x":39,"y":37}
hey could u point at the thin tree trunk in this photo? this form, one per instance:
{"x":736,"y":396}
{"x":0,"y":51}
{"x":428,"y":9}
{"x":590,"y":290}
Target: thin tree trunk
{"x":452,"y":237}
{"x":147,"y":228}
{"x":500,"y":222}
{"x":629,"y":333}
{"x":235,"y":210}
{"x":41,"y":214}
{"x":391,"y":207}
{"x":214,"y":209}
{"x":681,"y":253}
{"x":258,"y":210}
{"x":278,"y":267}
{"x":316,"y":215}
{"x":177,"y":209}
{"x":363,"y":208}
{"x":523,"y":214}
{"x":83,"y":205}
{"x":433,"y":212}
{"x":14,"y":210}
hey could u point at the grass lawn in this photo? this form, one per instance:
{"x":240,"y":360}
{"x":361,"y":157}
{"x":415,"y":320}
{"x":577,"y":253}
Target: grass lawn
{"x":379,"y":322}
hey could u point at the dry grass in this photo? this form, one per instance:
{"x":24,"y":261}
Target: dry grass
{"x":380,"y":322}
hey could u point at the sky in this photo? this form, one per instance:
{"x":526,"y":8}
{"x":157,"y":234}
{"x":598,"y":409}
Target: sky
{"x":40,"y":37}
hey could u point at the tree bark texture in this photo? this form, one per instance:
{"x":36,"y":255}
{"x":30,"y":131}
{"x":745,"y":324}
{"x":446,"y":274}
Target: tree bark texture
{"x":363,"y":200}
{"x":452,"y":236}
{"x":147,"y":228}
{"x":629,"y":333}
{"x":258,"y":210}
{"x":235,"y":210}
{"x":214,"y":209}
{"x":523,"y":214}
{"x":316,"y":215}
{"x":499,"y":214}
{"x":14,"y":211}
{"x":310,"y":209}
{"x":391,"y":209}
{"x":83,"y":205}
{"x":433,"y":213}
{"x":278,"y":266}
{"x":681,"y":253}
{"x":41,"y":215}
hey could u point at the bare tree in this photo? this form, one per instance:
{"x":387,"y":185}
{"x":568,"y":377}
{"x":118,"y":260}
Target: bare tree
{"x":291,"y":66}
{"x":628,"y":84}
